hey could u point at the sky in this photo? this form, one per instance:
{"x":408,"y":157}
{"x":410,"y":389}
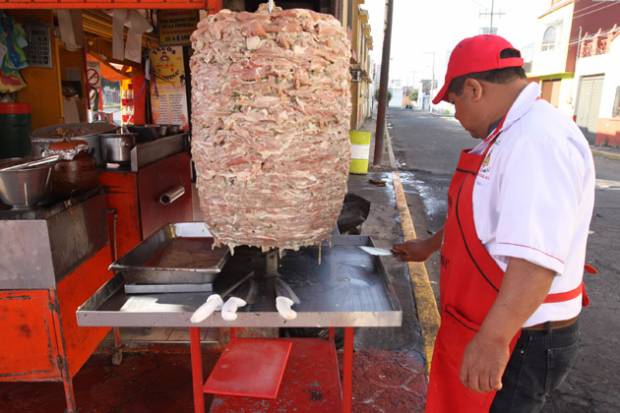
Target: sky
{"x":424,"y":29}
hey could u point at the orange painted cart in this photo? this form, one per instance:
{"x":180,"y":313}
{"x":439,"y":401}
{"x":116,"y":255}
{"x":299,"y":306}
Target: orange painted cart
{"x":54,"y":258}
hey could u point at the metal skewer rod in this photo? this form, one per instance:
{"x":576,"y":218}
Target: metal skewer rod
{"x":271,"y":5}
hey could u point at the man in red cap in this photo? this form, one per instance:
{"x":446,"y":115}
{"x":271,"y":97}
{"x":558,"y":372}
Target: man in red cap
{"x":514,"y":242}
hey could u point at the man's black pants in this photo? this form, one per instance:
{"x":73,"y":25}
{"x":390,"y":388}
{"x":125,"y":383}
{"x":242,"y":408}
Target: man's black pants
{"x":539,"y":364}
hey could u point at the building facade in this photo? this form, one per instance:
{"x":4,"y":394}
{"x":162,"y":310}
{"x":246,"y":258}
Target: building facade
{"x":595,"y":57}
{"x":550,"y":65}
{"x":361,"y":65}
{"x":577,"y":63}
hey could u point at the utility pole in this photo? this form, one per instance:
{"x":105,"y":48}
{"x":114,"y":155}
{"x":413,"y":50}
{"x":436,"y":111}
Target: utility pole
{"x":432,"y":88}
{"x":433,"y":69}
{"x":491,"y":15}
{"x":383,"y":83}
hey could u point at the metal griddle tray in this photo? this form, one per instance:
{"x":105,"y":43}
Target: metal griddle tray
{"x":179,"y":253}
{"x":350,"y":288}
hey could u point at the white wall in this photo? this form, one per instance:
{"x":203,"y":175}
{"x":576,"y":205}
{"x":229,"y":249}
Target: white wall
{"x":589,"y":66}
{"x":567,"y":98}
{"x":607,"y":64}
{"x":612,"y":79}
{"x":553,"y":61}
{"x":397,"y":98}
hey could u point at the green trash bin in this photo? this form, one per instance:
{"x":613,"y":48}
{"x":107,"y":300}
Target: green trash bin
{"x":15,"y":124}
{"x":360,"y":151}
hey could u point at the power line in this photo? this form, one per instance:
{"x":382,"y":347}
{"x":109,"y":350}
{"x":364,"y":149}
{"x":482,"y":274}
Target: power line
{"x":587,"y":7}
{"x":579,"y":15}
{"x":591,"y":6}
{"x":479,"y":4}
{"x":573,"y":42}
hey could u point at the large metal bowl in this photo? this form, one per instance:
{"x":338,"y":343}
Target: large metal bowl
{"x":24,"y":188}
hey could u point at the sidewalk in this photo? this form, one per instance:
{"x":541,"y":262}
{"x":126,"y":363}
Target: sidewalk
{"x":606,"y":152}
{"x":388,"y":160}
{"x":392,"y":358}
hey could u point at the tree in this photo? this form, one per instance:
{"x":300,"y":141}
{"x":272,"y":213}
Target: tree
{"x":414,"y":95}
{"x":389,"y":95}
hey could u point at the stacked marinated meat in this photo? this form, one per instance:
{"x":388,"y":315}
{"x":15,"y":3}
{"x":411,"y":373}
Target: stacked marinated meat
{"x":270,"y":116}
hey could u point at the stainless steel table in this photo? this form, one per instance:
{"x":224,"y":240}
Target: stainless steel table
{"x":348,"y":289}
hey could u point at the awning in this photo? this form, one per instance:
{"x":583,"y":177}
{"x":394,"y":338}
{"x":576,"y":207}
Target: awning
{"x":107,"y":70}
{"x":211,"y":5}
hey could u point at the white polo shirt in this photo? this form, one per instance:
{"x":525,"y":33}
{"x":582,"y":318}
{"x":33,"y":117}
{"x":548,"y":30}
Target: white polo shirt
{"x":534,"y":196}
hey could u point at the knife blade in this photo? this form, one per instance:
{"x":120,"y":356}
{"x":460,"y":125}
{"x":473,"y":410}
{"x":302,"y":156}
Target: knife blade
{"x":377,"y":252}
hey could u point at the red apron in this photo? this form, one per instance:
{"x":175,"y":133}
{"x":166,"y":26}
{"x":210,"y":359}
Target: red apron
{"x":470,"y":280}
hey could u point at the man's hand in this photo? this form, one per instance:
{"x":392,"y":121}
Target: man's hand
{"x":524,"y":287}
{"x":418,"y":250}
{"x":484,"y":362}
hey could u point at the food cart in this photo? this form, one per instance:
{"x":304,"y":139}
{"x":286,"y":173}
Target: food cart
{"x":140,"y":203}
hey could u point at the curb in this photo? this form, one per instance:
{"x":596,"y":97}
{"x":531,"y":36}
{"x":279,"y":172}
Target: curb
{"x":390,"y":150}
{"x":605,"y":154}
{"x":427,"y":310}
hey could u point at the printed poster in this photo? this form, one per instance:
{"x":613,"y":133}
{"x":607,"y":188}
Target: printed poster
{"x":168,"y":93}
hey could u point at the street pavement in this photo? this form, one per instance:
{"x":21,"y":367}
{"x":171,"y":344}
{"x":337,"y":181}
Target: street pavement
{"x":427,"y":147}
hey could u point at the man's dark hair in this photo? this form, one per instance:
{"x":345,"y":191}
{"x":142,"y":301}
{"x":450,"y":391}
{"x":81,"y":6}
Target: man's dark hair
{"x":492,"y":76}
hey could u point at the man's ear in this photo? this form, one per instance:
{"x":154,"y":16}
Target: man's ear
{"x":474,"y":89}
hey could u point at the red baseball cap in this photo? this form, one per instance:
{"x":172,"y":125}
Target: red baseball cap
{"x":477,"y":54}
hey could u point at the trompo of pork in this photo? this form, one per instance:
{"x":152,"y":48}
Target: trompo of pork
{"x":271,"y":111}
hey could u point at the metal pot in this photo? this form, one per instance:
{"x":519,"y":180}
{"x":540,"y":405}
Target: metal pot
{"x":24,"y":188}
{"x":75,"y":175}
{"x":146,"y":133}
{"x":117,"y":147}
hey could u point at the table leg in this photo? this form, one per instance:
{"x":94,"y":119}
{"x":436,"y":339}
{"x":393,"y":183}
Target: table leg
{"x":347,"y":371}
{"x":197,"y":381}
{"x":117,"y":357}
{"x":69,"y":394}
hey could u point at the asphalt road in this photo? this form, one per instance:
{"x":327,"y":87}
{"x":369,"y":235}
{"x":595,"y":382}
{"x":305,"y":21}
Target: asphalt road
{"x":427,"y":148}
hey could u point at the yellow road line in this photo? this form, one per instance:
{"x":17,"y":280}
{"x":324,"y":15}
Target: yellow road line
{"x":428,"y":314}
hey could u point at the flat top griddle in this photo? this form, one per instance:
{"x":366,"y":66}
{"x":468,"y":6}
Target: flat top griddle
{"x":350,"y":288}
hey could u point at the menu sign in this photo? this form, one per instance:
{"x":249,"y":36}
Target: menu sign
{"x":176,"y":26}
{"x":168,"y":97}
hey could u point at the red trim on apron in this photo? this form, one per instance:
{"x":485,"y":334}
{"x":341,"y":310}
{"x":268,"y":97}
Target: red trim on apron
{"x":470,"y":280}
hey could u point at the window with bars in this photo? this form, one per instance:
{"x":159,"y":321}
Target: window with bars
{"x":549,"y":38}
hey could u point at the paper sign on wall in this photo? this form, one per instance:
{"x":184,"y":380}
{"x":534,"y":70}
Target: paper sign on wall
{"x":176,"y":26}
{"x":168,"y":93}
